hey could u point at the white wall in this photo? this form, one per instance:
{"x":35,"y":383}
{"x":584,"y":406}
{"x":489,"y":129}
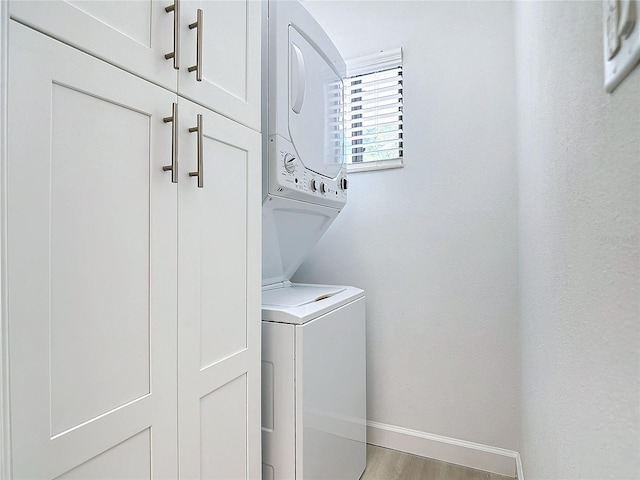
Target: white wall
{"x":435,"y":244}
{"x":579,"y":170}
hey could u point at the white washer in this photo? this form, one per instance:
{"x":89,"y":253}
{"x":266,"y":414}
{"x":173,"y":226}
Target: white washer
{"x":313,"y":382}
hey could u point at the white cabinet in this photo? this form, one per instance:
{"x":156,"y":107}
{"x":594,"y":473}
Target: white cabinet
{"x":133,"y":35}
{"x":91,"y":267}
{"x":138,"y":35}
{"x":229,"y":64}
{"x":133,"y":301}
{"x":219,"y":297}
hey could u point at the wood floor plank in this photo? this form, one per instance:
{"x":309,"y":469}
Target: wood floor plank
{"x":387,"y":464}
{"x":496,"y":476}
{"x":457,"y":472}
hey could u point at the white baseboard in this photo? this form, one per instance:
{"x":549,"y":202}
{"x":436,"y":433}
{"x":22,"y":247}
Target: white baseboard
{"x":519,"y":470}
{"x":450,"y":450}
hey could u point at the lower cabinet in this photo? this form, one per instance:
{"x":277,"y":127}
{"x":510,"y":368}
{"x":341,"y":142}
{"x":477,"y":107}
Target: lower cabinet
{"x":218,"y":297}
{"x":133,"y":301}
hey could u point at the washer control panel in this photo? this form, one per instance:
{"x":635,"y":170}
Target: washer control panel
{"x":288,"y":177}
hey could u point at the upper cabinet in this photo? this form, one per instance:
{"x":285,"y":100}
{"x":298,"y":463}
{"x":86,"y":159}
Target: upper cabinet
{"x":134,"y":36}
{"x":220,"y":57}
{"x":207,"y":51}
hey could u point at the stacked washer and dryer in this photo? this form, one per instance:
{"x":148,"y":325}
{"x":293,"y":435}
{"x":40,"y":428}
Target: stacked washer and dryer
{"x":313,"y":336}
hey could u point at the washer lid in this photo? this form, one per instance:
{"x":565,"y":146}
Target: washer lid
{"x":297,"y":295}
{"x":320,"y":300}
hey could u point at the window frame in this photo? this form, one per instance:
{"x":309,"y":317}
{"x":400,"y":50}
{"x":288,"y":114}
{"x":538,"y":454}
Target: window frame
{"x":365,"y":65}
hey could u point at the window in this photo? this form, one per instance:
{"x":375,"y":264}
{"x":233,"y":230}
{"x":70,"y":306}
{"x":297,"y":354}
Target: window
{"x":373,"y":111}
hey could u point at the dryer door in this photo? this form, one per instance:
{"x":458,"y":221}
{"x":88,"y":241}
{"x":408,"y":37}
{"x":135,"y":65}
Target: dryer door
{"x":315,"y":108}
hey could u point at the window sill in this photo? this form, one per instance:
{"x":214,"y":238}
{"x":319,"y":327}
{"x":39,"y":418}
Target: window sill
{"x":368,"y":166}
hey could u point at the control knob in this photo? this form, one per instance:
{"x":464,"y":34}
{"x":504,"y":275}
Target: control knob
{"x":314,"y":185}
{"x":323,"y":188}
{"x":343,"y":183}
{"x":289,"y":163}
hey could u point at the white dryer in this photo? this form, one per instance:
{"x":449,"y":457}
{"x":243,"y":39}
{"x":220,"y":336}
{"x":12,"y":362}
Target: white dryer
{"x":304,"y":114}
{"x":304,"y":175}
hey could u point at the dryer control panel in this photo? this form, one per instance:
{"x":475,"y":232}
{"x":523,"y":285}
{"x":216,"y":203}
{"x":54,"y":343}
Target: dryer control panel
{"x":288,"y":177}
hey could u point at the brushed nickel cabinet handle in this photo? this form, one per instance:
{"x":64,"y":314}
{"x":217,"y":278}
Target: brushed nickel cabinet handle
{"x":199,"y":173}
{"x":175,"y":8}
{"x":174,"y":143}
{"x":198,"y":66}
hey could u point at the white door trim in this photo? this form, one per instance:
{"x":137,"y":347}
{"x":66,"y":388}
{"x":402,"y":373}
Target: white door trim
{"x":5,"y":448}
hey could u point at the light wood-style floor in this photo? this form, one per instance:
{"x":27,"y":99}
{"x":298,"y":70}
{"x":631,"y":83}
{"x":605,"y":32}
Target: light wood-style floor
{"x":385,"y":464}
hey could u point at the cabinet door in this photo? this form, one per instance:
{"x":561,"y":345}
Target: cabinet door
{"x":134,"y":35}
{"x":218,"y":298}
{"x":229,"y":60}
{"x":92,"y":302}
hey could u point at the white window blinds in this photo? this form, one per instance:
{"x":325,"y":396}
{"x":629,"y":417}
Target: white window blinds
{"x":373,"y":111}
